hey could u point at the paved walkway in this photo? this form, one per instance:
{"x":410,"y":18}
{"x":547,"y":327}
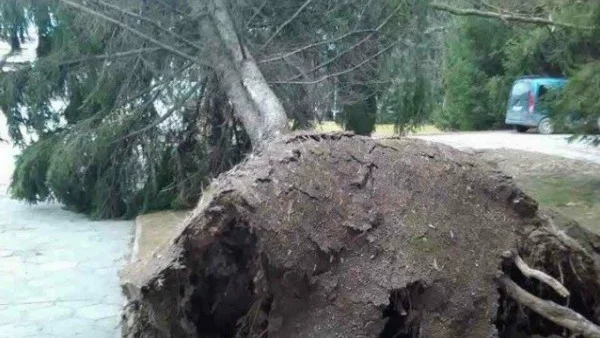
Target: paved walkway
{"x":58,"y":272}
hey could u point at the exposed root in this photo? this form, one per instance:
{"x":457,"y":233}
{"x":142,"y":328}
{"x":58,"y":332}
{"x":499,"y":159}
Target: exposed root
{"x":560,"y":315}
{"x":304,"y":137}
{"x":558,"y":247}
{"x":537,"y":274}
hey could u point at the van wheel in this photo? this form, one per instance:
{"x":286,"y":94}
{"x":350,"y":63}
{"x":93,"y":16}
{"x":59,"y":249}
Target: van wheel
{"x":545,"y":127}
{"x":521,"y":129}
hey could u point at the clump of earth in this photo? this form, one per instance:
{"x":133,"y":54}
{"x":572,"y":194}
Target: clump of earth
{"x":322,"y":235}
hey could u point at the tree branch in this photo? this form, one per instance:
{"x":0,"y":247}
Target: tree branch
{"x":330,"y":61}
{"x":558,"y":314}
{"x":362,"y":12}
{"x":256,"y":13}
{"x":172,"y":7}
{"x":109,"y":56}
{"x":134,"y":31}
{"x":493,"y":7}
{"x":287,"y":22}
{"x":168,"y":114}
{"x":364,"y":62}
{"x":100,"y":57}
{"x":158,"y":84}
{"x":151,"y":22}
{"x":316,"y":44}
{"x":507,"y":17}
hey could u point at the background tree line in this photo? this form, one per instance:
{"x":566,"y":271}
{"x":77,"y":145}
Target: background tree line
{"x":134,"y":105}
{"x":483,"y":56}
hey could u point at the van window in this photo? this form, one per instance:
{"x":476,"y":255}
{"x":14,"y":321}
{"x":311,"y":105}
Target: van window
{"x":520,"y":88}
{"x":519,"y":94}
{"x":546,"y":95}
{"x":542,"y":91}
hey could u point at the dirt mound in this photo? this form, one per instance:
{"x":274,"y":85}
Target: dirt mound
{"x":341,"y":236}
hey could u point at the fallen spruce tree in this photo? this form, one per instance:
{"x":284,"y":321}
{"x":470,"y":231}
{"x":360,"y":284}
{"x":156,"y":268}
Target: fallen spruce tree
{"x":345,"y":236}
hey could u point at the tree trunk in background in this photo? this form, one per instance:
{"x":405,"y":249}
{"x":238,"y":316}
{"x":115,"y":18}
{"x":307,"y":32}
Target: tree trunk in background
{"x":254,"y":103}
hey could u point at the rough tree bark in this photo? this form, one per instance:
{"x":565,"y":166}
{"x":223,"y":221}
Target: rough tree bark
{"x":254,"y":103}
{"x":507,"y":16}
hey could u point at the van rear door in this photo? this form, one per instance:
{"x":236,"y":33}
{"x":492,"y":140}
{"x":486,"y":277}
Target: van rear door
{"x":519,"y":102}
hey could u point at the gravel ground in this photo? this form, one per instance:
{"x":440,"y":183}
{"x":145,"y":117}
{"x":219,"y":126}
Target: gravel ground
{"x":557,"y":145}
{"x":526,"y":164}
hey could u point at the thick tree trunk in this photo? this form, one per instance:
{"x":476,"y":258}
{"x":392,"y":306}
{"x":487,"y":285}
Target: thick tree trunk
{"x":254,"y":103}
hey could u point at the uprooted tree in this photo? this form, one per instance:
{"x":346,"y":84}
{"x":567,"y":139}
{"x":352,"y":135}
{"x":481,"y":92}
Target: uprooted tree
{"x":315,"y":235}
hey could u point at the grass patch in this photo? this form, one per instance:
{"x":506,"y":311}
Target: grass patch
{"x":575,"y":197}
{"x":380,"y":129}
{"x":423,"y":244}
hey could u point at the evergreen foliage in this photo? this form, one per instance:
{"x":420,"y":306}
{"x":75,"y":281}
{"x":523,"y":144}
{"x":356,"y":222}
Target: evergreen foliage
{"x":113,"y":124}
{"x":79,"y":119}
{"x":412,"y":74}
{"x":581,"y":98}
{"x":474,"y":80}
{"x":29,"y":179}
{"x":360,"y":117}
{"x":484,"y":57}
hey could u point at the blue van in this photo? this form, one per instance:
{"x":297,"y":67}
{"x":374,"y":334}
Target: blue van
{"x":525,"y":110}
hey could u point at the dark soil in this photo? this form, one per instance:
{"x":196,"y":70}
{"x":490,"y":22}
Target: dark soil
{"x":344,"y":236}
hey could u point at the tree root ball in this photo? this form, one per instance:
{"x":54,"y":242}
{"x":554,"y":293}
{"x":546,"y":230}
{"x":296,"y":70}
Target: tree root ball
{"x":340,"y":236}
